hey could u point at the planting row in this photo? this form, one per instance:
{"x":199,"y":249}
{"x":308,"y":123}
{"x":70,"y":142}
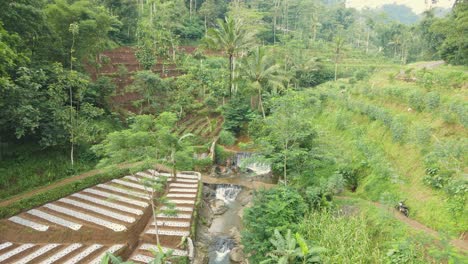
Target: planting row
{"x":172,"y":229}
{"x":54,"y":253}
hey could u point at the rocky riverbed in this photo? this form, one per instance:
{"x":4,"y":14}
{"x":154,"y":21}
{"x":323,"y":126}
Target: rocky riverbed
{"x":220,"y":223}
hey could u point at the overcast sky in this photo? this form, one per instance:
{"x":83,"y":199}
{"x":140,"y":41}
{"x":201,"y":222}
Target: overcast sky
{"x":418,"y":6}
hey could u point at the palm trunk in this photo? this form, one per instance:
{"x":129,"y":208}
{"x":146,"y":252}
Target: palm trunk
{"x":260,"y":103}
{"x":285,"y":160}
{"x":367,"y":41}
{"x":231,"y":74}
{"x":206,"y":28}
{"x":336,"y":69}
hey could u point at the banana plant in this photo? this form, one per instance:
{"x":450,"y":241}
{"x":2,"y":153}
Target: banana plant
{"x":287,"y":252}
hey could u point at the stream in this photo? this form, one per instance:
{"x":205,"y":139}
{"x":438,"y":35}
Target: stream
{"x":222,"y":242}
{"x":225,"y":195}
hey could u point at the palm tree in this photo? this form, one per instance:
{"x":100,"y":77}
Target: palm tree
{"x":262,"y":72}
{"x":231,"y":37}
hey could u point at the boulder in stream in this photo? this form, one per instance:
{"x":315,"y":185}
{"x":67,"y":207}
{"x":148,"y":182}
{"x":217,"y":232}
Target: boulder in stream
{"x":237,"y":254}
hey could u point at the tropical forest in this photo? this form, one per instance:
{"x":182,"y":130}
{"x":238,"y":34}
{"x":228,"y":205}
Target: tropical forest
{"x":234,"y":131}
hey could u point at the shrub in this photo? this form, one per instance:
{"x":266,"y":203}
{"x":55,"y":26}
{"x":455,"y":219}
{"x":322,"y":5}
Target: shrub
{"x":432,"y":100}
{"x":280,"y":208}
{"x":361,"y":75}
{"x":226,"y":138}
{"x":422,"y":135}
{"x":435,"y":179}
{"x":416,"y":101}
{"x":236,"y":114}
{"x":398,"y":129}
{"x":342,"y":120}
{"x":211,"y":102}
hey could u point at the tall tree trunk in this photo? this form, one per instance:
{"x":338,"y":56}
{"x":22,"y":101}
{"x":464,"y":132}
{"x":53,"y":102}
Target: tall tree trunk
{"x":174,"y":171}
{"x":190,"y":12}
{"x":336,"y":69}
{"x":285,"y":163}
{"x":260,"y":102}
{"x":231,"y":74}
{"x":367,"y":41}
{"x":206,"y":28}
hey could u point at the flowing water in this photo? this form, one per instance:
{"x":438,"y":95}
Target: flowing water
{"x":248,"y":161}
{"x":221,"y":226}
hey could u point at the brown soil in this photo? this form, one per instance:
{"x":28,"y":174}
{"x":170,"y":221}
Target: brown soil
{"x":66,"y":181}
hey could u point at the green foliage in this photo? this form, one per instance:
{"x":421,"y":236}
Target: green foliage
{"x":94,"y":22}
{"x":279,"y":208}
{"x":286,"y":136}
{"x":399,"y":130}
{"x":236,"y":113}
{"x":416,"y":101}
{"x":226,"y":138}
{"x":432,"y":101}
{"x":24,"y":167}
{"x":147,"y":138}
{"x":287,"y":252}
{"x":403,"y":252}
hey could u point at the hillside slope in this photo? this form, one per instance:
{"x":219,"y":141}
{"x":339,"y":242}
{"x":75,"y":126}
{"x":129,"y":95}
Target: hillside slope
{"x":403,"y":140}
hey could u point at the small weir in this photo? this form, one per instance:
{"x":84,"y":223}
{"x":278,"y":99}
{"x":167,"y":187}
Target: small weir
{"x":247,"y":160}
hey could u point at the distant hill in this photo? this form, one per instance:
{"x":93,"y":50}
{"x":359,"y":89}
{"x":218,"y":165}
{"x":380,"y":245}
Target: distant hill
{"x":401,"y":13}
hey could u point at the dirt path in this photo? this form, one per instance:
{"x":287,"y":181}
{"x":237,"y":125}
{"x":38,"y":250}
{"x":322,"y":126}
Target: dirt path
{"x":64,"y":182}
{"x":429,"y":64}
{"x":458,"y":243}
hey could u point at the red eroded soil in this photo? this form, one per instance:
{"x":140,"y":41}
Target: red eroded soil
{"x":121,"y":63}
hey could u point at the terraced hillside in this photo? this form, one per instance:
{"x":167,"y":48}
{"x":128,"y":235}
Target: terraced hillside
{"x":112,"y":217}
{"x":403,"y":139}
{"x":204,"y":126}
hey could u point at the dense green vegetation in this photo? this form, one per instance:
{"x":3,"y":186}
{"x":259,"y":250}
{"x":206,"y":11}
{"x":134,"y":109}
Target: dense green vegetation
{"x":337,"y":100}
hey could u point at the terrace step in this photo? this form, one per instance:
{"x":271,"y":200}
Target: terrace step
{"x":5,"y":245}
{"x":177,"y":201}
{"x":62,"y":253}
{"x":111,"y":250}
{"x":28,"y":223}
{"x":176,"y":252}
{"x":181,"y":195}
{"x":15,"y":251}
{"x":172,"y":223}
{"x":112,"y":196}
{"x":41,"y":251}
{"x":180,"y":216}
{"x":54,"y":219}
{"x":183,"y":190}
{"x":167,"y":232}
{"x":99,"y":210}
{"x":142,"y":258}
{"x":183,"y":185}
{"x":87,"y":218}
{"x":179,"y":208}
{"x":108,"y":204}
{"x":129,"y":184}
{"x":121,"y":190}
{"x":84,"y":254}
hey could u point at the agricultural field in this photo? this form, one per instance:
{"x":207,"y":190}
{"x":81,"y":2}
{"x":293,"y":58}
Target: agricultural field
{"x":115,"y":217}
